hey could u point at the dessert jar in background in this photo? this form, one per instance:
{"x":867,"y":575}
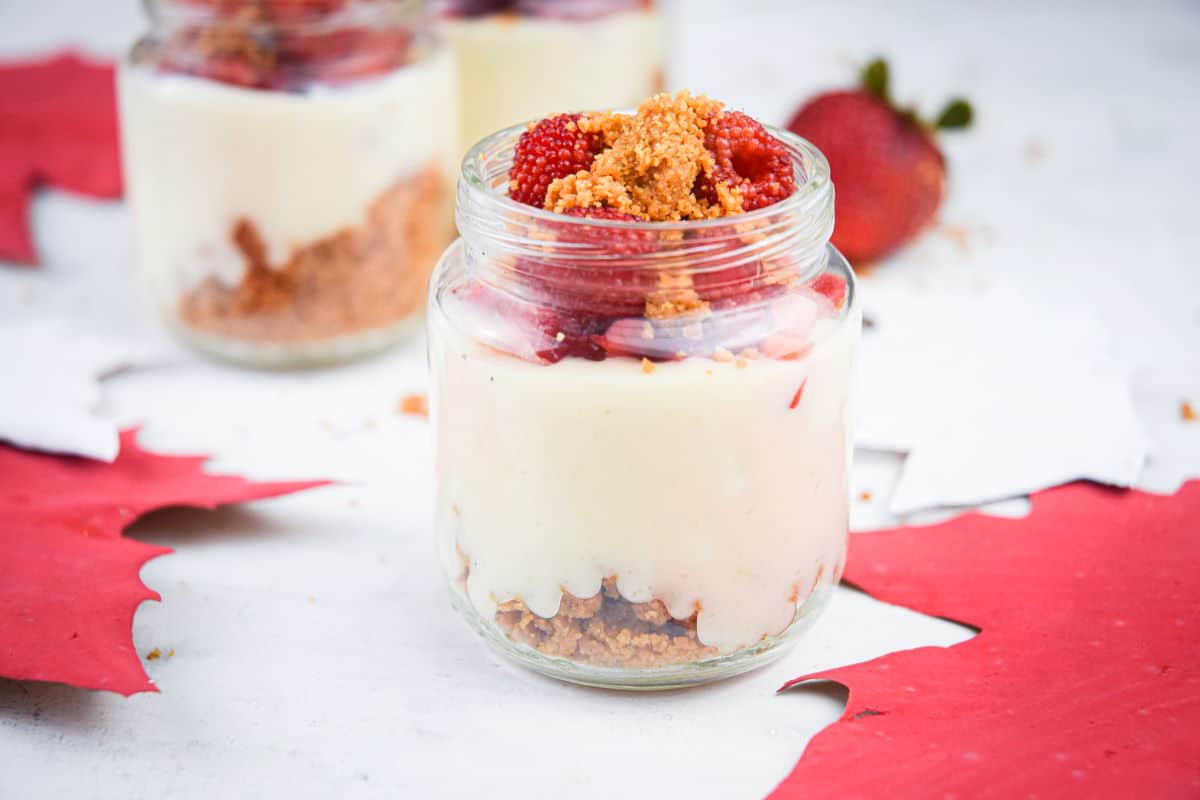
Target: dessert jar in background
{"x":522,"y":59}
{"x":642,"y":430}
{"x":290,"y":169}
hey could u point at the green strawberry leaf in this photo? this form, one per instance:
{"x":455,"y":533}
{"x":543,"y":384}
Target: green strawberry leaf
{"x":875,"y":78}
{"x":957,"y":114}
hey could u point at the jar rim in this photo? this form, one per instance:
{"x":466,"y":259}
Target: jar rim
{"x":813,"y":186}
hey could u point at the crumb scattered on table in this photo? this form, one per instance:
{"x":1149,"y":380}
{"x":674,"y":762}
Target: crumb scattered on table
{"x":1035,"y":151}
{"x":1186,"y":412}
{"x":154,"y":654}
{"x":415,"y":405}
{"x":957,"y":234}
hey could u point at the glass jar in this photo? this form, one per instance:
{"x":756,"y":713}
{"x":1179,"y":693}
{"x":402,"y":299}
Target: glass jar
{"x":523,"y":59}
{"x":289,"y":166}
{"x":642,"y":431}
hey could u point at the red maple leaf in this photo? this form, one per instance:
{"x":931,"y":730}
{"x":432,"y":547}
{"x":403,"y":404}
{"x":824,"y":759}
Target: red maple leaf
{"x":1083,"y":682}
{"x":58,"y":125}
{"x":69,"y":582}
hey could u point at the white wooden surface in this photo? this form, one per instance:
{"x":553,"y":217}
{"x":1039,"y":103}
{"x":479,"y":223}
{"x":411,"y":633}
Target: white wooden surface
{"x":315,"y":655}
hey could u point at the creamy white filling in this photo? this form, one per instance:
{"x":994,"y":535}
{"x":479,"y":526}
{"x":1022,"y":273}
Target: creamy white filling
{"x":199,"y":155}
{"x":517,"y":69}
{"x":696,"y":484}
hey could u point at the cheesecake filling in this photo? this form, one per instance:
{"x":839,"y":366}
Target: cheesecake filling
{"x":697,"y":485}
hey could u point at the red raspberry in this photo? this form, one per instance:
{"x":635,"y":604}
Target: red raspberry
{"x":729,"y":283}
{"x":748,"y":158}
{"x":551,"y":149}
{"x":618,"y":242}
{"x":615,"y":287}
{"x":581,"y":300}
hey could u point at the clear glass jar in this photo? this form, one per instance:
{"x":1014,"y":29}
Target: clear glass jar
{"x":289,"y":166}
{"x":642,"y":431}
{"x":523,"y":59}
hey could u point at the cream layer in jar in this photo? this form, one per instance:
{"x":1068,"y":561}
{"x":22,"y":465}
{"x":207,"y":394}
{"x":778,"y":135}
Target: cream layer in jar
{"x":716,"y":486}
{"x":201,"y":155}
{"x":516,"y":68}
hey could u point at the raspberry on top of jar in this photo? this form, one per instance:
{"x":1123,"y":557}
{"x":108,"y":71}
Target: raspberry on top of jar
{"x":679,"y":158}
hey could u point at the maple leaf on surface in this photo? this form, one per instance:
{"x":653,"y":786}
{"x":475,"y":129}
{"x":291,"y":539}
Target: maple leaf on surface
{"x":69,"y":582}
{"x":58,"y":125}
{"x":1083,"y":682}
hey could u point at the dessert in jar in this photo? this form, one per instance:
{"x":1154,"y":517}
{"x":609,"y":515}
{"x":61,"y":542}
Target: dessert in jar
{"x":522,"y":59}
{"x":643,"y":354}
{"x":289,"y":165}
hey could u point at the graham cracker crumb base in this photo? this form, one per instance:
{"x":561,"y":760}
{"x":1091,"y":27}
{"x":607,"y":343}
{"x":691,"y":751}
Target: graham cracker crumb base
{"x":355,"y":280}
{"x":606,"y":630}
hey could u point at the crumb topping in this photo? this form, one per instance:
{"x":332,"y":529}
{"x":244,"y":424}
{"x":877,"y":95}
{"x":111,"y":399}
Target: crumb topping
{"x":650,"y":165}
{"x":414,"y":405}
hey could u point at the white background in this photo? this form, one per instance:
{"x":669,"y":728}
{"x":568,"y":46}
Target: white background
{"x":315,"y":654}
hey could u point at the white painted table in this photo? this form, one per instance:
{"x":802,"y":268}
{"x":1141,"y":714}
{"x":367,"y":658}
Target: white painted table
{"x":315,"y":653}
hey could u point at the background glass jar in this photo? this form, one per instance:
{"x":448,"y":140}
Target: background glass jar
{"x":641,"y":430}
{"x":289,"y":168}
{"x":523,"y":59}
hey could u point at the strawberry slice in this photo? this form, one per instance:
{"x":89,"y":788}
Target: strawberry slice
{"x":832,"y":287}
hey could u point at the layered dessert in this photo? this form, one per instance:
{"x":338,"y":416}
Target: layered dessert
{"x":643,"y":354}
{"x":289,"y":201}
{"x":521,"y":59}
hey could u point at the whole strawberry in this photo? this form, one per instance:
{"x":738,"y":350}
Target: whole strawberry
{"x":887,"y":170}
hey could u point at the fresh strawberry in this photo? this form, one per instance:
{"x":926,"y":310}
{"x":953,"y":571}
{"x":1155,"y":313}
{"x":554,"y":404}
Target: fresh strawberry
{"x":886,"y":167}
{"x":748,"y":158}
{"x":551,"y":149}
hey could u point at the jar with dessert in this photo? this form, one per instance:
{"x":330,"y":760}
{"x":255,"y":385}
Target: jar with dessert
{"x":522,"y":59}
{"x":289,"y":165}
{"x":643,"y":353}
